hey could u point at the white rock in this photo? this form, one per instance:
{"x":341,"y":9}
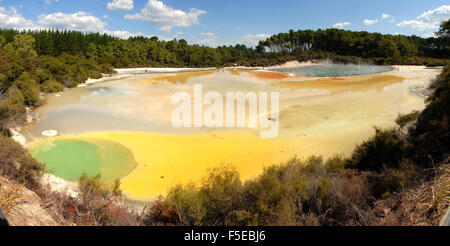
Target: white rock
{"x":50,"y":133}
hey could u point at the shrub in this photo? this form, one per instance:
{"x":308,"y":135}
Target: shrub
{"x":97,"y":205}
{"x":17,"y":163}
{"x":436,"y":62}
{"x":115,"y":189}
{"x":348,"y":202}
{"x":385,"y":149}
{"x":219,"y":188}
{"x":29,"y":88}
{"x":159,"y":215}
{"x":430,"y":136}
{"x":273,"y":197}
{"x":51,"y":86}
{"x":403,"y":119}
{"x":187,"y":203}
{"x":299,"y":192}
{"x":90,"y":187}
{"x":12,"y":109}
{"x":335,"y":164}
{"x":390,"y":180}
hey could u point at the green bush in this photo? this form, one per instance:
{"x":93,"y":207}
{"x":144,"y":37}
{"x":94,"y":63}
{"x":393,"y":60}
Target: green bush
{"x":390,"y":180}
{"x":272,"y":198}
{"x":17,"y":163}
{"x":384,"y":150}
{"x":188,"y":203}
{"x":96,"y":205}
{"x":430,"y":135}
{"x":29,"y":88}
{"x":403,"y":119}
{"x":218,"y":189}
{"x":51,"y":86}
{"x":436,"y":63}
{"x":335,"y":164}
{"x":299,"y":192}
{"x":12,"y":108}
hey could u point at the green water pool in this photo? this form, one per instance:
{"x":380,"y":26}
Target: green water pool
{"x":335,"y":70}
{"x":71,"y":158}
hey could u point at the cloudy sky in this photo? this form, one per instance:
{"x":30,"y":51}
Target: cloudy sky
{"x":219,"y":22}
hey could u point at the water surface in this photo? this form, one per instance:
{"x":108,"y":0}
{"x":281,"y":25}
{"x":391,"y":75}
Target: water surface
{"x":122,"y":129}
{"x":71,"y":158}
{"x":334,"y":70}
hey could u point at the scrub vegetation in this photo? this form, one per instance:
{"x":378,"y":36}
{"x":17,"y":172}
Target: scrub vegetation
{"x":381,"y":183}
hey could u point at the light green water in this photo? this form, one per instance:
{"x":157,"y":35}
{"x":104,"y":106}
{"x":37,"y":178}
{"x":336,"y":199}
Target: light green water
{"x":335,"y":70}
{"x":70,"y":159}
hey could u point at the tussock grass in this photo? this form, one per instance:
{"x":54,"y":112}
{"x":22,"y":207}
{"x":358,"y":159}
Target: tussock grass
{"x":422,"y":205}
{"x":9,"y":199}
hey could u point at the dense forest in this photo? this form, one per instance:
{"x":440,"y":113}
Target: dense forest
{"x":357,"y":190}
{"x":135,"y":51}
{"x":346,"y":46}
{"x":354,"y":46}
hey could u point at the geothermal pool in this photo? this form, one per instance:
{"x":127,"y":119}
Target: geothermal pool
{"x":333,"y":70}
{"x":71,"y":158}
{"x":122,"y":129}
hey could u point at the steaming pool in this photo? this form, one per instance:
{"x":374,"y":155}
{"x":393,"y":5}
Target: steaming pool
{"x":122,"y":129}
{"x":334,"y":70}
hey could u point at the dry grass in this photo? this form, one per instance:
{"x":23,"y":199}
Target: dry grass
{"x":421,"y":206}
{"x":9,"y":199}
{"x":441,"y":195}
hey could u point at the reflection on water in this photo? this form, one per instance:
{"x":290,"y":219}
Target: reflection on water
{"x":340,"y":85}
{"x":143,"y":104}
{"x":109,"y":91}
{"x":317,"y":116}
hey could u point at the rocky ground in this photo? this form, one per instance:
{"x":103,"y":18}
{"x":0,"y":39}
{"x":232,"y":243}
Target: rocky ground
{"x":23,"y":207}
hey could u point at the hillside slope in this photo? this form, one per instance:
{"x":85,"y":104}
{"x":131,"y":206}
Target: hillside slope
{"x":23,"y":207}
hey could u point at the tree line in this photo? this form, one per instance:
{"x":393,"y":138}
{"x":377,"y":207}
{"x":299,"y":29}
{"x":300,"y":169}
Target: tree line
{"x":341,"y":45}
{"x":135,"y":51}
{"x":380,"y":48}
